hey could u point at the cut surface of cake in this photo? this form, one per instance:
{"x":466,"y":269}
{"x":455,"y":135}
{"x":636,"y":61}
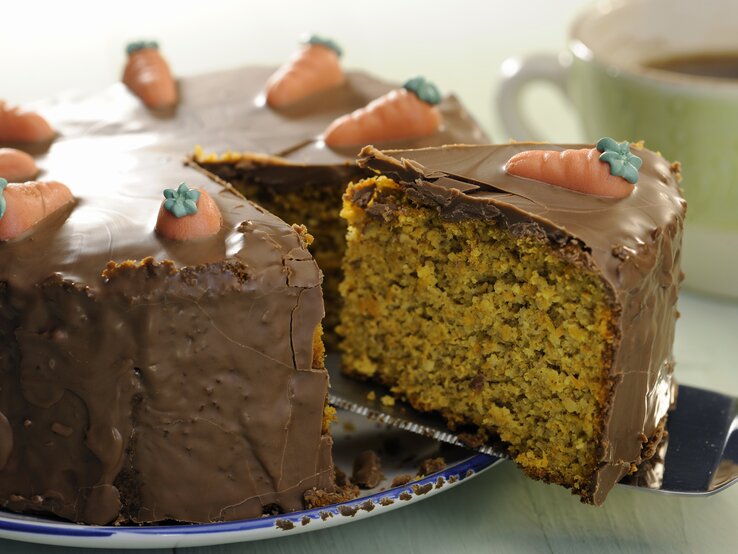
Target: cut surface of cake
{"x":542,"y":316}
{"x":301,"y":179}
{"x":144,"y":379}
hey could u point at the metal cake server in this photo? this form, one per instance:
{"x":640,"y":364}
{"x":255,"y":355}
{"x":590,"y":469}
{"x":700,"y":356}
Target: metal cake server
{"x":701,"y":456}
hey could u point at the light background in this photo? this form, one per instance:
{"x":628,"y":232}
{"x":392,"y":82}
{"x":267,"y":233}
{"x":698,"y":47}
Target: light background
{"x":48,"y":47}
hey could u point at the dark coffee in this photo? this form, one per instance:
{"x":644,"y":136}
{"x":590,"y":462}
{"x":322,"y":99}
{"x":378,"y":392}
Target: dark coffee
{"x":721,"y":65}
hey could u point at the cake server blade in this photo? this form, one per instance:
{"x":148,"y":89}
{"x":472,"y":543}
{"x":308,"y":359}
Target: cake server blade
{"x":700,"y":456}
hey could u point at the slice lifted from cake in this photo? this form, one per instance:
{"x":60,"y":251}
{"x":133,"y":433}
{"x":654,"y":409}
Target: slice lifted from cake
{"x":540,"y":315}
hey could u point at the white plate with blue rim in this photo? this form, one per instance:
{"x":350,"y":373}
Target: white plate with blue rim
{"x":401,"y":454}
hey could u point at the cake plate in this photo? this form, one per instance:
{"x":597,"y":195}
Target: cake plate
{"x":401,"y":453}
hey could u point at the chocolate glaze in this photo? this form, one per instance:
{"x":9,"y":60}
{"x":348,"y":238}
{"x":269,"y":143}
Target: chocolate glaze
{"x":294,"y":156}
{"x":633,"y":243}
{"x":181,"y":387}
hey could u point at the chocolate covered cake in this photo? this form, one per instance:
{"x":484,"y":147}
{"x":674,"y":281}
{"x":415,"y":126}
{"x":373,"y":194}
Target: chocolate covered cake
{"x":145,"y":379}
{"x":478,"y":286}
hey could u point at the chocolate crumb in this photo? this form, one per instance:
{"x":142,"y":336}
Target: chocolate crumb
{"x":386,"y":501}
{"x":453,"y":478}
{"x":285,"y":524}
{"x":348,"y":511}
{"x":305,"y":520}
{"x":431,"y":465}
{"x":367,"y":506}
{"x":405,"y":495}
{"x":342,"y":479}
{"x":325,"y":515}
{"x":367,"y":470}
{"x":422,"y":489}
{"x":440,"y":482}
{"x":401,"y":480}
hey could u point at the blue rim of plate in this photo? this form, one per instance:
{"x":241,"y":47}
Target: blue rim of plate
{"x":453,"y":473}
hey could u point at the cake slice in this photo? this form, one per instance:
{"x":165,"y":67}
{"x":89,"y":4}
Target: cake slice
{"x":544,"y":317}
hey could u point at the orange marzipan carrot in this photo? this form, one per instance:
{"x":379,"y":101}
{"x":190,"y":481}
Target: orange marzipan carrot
{"x":17,"y":125}
{"x":28,"y":203}
{"x":206,"y":222}
{"x":580,"y":170}
{"x":16,"y":166}
{"x":148,"y":76}
{"x":312,"y":69}
{"x":399,"y":114}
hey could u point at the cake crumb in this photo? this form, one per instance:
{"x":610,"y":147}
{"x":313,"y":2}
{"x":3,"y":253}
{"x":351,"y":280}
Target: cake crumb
{"x":386,"y":501}
{"x":401,"y":480}
{"x":367,"y":506}
{"x":371,"y":395}
{"x":405,"y":496}
{"x":387,"y":400}
{"x":342,"y":479}
{"x":422,"y":489}
{"x":315,"y":498}
{"x":348,"y":511}
{"x":305,"y":520}
{"x":285,"y":524}
{"x":431,"y":465}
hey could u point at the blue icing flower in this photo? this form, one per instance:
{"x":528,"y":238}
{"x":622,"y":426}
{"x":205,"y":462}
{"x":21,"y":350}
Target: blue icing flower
{"x":137,"y":45}
{"x":181,"y":202}
{"x":323,"y":41}
{"x":622,"y":162}
{"x":3,"y":184}
{"x":423,"y":89}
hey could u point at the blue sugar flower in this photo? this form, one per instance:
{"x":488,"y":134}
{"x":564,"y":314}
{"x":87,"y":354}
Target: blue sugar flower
{"x":3,"y":184}
{"x":322,"y":41}
{"x":423,"y":89}
{"x":181,"y":202}
{"x":622,"y":162}
{"x":137,"y":45}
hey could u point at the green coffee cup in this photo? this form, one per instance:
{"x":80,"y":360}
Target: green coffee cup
{"x":692,"y":119}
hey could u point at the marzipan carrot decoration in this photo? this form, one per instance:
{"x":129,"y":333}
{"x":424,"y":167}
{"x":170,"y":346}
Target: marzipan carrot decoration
{"x":313,"y":68}
{"x":188,"y":214}
{"x":17,"y":125}
{"x":404,"y":113}
{"x":609,"y":169}
{"x":147,"y":75}
{"x":23,"y":205}
{"x":16,"y":166}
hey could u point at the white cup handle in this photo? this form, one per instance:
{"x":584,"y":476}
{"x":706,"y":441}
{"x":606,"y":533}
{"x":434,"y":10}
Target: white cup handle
{"x":518,"y":73}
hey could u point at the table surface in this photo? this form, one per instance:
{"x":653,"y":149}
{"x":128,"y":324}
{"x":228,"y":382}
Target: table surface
{"x":501,"y":510}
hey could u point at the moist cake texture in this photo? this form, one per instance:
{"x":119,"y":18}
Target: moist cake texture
{"x":303,"y":181}
{"x":542,"y":316}
{"x":142,"y":379}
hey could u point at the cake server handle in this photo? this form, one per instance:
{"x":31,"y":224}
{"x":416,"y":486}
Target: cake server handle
{"x":700,"y":456}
